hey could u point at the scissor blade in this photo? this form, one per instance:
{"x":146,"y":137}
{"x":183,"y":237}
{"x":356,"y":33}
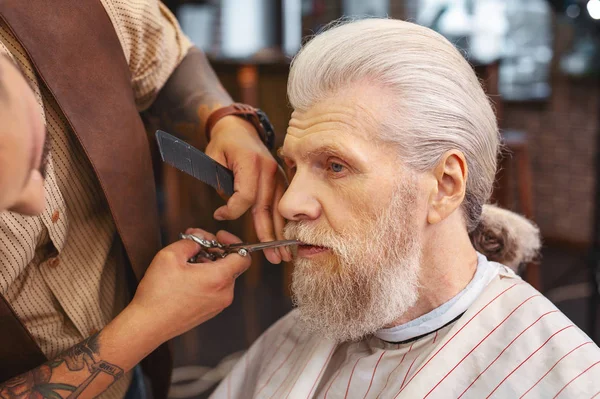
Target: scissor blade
{"x":194,"y":162}
{"x":261,"y":245}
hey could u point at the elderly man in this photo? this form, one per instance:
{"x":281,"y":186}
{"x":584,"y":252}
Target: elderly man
{"x":392,"y":152}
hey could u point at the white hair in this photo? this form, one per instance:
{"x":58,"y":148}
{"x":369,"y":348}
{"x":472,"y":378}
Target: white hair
{"x":438,"y":102}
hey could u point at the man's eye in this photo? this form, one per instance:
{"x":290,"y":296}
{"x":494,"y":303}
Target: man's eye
{"x":336,"y":167}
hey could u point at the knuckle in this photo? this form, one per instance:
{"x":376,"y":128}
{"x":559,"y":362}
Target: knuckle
{"x":246,"y":263}
{"x":256,"y":160}
{"x":270,"y":168}
{"x":167,"y":256}
{"x":261,"y":209}
{"x":252,"y":161}
{"x":219,"y":283}
{"x":200,"y":233}
{"x":246,"y":197}
{"x":227,"y":300}
{"x":223,"y":280}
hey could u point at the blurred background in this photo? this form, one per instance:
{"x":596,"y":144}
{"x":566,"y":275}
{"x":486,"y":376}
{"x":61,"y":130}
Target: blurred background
{"x":539,"y":60}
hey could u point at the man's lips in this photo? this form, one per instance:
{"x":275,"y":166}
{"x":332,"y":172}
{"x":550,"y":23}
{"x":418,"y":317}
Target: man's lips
{"x":308,"y":250}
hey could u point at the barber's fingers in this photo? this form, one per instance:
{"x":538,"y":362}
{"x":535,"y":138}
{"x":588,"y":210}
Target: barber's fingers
{"x":222,"y":270}
{"x":256,"y":181}
{"x":279,"y":223}
{"x":231,"y":267}
{"x":181,"y":250}
{"x":246,"y":175}
{"x":262,"y":211}
{"x":225,"y":237}
{"x":200,"y":234}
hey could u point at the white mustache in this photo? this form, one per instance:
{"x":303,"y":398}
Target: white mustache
{"x":311,"y":235}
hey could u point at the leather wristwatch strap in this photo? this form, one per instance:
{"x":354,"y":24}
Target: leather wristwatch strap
{"x":243,"y":111}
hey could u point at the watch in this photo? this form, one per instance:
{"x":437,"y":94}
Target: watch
{"x":255,"y":116}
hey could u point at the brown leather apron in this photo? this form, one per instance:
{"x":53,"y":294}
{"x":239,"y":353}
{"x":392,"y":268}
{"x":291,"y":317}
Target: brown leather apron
{"x":76,"y":53}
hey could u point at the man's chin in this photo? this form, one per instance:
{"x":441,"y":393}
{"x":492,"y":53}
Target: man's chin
{"x":339,"y":331}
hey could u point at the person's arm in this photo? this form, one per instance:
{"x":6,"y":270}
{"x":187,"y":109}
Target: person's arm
{"x":173,"y":297}
{"x":182,"y":107}
{"x":188,"y":97}
{"x":86,"y":369}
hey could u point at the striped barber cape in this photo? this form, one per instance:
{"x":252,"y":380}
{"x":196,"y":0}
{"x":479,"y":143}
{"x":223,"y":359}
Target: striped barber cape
{"x":511,"y":342}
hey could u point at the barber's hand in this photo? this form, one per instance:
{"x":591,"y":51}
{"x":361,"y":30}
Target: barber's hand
{"x":259,"y":182}
{"x":177,"y":295}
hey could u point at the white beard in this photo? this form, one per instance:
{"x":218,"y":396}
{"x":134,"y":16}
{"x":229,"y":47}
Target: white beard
{"x":369,"y":278}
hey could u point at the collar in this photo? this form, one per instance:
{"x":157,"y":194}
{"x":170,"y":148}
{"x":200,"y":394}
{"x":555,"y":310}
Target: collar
{"x":448,"y":312}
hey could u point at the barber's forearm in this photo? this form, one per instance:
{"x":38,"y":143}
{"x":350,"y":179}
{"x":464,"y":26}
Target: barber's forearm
{"x":132,"y":336}
{"x":92,"y":366}
{"x":192,"y":92}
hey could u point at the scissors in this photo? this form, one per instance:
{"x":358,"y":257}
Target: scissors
{"x":221,"y":250}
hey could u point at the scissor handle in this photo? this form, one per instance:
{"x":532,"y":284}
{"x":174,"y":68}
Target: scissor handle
{"x":201,"y":241}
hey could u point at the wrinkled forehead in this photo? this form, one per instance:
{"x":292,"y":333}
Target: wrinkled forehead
{"x":348,"y":120}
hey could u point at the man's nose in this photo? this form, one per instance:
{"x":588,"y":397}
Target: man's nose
{"x":298,"y":203}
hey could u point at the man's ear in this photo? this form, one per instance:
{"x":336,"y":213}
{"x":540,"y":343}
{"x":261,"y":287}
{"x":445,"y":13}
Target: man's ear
{"x":449,"y":185}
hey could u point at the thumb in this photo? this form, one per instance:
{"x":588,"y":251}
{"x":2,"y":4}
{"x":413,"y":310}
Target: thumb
{"x":233,"y":265}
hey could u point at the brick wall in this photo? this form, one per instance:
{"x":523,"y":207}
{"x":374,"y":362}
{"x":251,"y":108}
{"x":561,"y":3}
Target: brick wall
{"x":562,"y":134}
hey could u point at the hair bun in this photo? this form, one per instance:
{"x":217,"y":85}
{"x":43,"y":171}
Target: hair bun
{"x":506,"y":237}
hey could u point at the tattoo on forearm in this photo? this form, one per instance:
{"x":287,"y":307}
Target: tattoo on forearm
{"x":39,"y":383}
{"x":192,"y":92}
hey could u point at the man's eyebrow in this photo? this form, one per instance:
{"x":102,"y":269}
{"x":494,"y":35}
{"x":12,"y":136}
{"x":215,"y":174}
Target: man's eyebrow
{"x":321,"y":150}
{"x":325,"y":150}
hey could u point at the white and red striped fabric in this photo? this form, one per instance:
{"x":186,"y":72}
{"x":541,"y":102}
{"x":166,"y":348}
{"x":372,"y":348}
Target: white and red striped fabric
{"x":512,"y":342}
